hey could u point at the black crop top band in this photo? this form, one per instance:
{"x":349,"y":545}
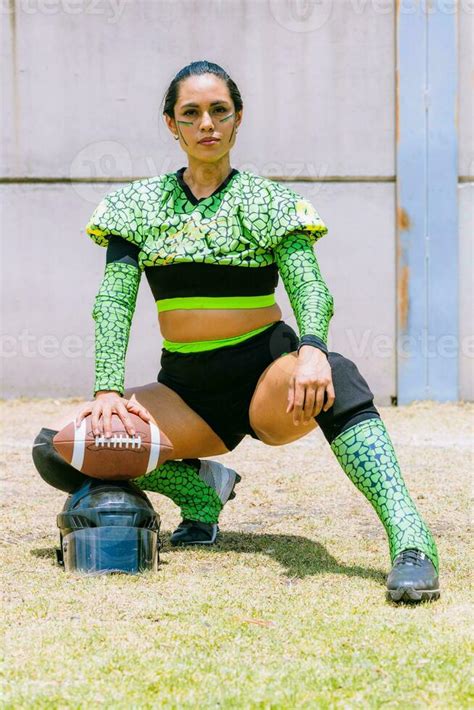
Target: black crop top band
{"x":193,"y":279}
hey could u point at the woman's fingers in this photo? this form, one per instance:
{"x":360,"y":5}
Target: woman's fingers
{"x":101,"y":411}
{"x":83,"y":412}
{"x":307,"y":401}
{"x":331,"y":397}
{"x":291,"y":396}
{"x":122,"y":411}
{"x":319,"y":399}
{"x":95,"y":422}
{"x":107,"y":420}
{"x":308,"y":405}
{"x":298,"y":404}
{"x":140,"y":411}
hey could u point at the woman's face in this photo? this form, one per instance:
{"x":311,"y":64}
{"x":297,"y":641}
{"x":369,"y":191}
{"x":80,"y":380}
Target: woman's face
{"x":204,"y":109}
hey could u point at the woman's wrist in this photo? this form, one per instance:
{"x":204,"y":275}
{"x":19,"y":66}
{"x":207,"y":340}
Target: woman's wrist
{"x":104,"y":392}
{"x":311,"y":351}
{"x":313,"y":342}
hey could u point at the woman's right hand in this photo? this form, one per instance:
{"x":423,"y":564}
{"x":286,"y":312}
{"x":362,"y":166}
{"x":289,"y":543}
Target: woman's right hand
{"x":107,"y":403}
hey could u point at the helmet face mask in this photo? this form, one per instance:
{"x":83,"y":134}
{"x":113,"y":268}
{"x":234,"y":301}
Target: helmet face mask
{"x":106,"y":527}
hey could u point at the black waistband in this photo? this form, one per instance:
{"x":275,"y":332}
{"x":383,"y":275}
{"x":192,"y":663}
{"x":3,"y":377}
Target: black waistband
{"x":255,"y":341}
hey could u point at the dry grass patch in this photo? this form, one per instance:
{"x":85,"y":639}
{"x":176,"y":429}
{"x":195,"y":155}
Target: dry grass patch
{"x":288,"y":610}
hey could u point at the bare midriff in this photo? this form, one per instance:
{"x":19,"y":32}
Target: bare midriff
{"x":186,"y":326}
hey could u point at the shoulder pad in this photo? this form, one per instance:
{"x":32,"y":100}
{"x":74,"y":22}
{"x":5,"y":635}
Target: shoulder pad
{"x":121,"y":211}
{"x":291,"y":212}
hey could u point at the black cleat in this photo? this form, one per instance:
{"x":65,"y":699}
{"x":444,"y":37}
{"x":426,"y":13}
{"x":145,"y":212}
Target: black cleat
{"x":193,"y":532}
{"x":413,"y":578}
{"x":223,"y":480}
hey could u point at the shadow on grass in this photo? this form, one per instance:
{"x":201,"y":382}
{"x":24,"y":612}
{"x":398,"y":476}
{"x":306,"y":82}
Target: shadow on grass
{"x":44,"y":553}
{"x":299,"y":556}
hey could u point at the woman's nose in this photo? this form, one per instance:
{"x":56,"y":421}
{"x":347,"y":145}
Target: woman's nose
{"x":206,"y":121}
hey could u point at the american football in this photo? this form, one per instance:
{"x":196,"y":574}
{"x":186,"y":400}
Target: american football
{"x":116,"y":457}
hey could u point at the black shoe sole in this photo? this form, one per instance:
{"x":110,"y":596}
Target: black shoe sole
{"x":185,"y":543}
{"x":410,"y":594}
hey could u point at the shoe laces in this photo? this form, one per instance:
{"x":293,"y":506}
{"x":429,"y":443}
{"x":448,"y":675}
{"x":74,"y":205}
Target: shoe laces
{"x":413,"y":557}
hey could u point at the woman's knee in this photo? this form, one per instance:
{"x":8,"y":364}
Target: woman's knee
{"x":354,"y":400}
{"x":51,"y":466}
{"x":351,"y":388}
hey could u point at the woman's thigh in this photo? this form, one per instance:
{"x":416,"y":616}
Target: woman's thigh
{"x":267,"y":411}
{"x":189,"y":434}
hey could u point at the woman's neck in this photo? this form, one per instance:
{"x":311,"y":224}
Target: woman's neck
{"x":206,"y":177}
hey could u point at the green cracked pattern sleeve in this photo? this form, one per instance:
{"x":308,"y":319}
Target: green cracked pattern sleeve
{"x":294,"y":227}
{"x":113,"y":311}
{"x":307,"y":291}
{"x":118,"y":213}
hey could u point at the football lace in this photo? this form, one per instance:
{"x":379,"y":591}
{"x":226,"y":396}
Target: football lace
{"x":119,"y":440}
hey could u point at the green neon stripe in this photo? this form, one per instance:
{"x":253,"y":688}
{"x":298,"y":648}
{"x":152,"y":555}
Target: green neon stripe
{"x":227,"y":118}
{"x":170,"y":304}
{"x":201,"y":345}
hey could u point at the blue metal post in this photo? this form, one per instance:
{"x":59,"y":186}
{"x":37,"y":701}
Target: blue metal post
{"x":427,"y":224}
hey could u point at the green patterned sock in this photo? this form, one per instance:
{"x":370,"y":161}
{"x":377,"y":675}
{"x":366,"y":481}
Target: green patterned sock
{"x":365,"y":453}
{"x":180,"y":481}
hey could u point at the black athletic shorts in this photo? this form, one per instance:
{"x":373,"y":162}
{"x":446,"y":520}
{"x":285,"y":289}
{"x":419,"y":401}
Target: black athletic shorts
{"x":219,"y":384}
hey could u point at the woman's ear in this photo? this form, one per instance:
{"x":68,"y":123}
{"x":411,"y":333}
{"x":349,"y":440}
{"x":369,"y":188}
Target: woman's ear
{"x":238,"y":118}
{"x":170,"y":122}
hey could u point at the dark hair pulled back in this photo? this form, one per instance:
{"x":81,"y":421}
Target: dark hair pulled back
{"x":195,"y":69}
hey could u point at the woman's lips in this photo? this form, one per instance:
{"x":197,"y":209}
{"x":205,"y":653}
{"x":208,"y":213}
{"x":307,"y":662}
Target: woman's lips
{"x":209,"y":142}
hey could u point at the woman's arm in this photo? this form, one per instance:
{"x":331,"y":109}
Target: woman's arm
{"x":313,"y":307}
{"x":113,"y":311}
{"x":307,"y":291}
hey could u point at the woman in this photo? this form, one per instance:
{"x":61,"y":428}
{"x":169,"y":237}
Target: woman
{"x":230,"y":366}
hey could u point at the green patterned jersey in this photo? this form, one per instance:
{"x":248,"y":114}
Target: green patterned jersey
{"x":252,"y":226}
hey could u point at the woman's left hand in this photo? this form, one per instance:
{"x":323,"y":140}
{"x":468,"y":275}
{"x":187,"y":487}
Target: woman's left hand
{"x":309,"y":383}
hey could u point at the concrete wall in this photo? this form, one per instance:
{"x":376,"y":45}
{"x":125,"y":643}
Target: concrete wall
{"x":83,"y":104}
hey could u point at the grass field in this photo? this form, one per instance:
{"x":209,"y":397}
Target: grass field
{"x":287,"y":611}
